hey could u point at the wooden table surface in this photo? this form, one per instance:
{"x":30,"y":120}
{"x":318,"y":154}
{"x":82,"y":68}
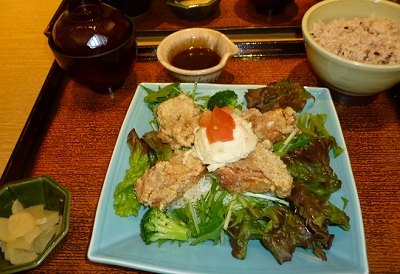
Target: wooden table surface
{"x":78,"y":145}
{"x":25,"y":62}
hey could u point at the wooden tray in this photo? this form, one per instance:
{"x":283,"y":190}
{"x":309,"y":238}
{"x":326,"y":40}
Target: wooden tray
{"x":231,"y":14}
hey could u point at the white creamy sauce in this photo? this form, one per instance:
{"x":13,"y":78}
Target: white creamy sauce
{"x":218,"y":154}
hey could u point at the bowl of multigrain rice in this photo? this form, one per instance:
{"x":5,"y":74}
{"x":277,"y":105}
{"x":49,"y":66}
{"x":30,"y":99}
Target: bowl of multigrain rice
{"x":354,"y":45}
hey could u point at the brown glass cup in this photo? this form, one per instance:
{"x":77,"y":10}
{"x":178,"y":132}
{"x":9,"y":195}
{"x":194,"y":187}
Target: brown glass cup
{"x":271,"y":7}
{"x":131,"y":8}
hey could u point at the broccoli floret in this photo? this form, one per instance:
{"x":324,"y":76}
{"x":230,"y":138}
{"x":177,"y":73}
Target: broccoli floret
{"x":222,"y":99}
{"x":157,"y":225}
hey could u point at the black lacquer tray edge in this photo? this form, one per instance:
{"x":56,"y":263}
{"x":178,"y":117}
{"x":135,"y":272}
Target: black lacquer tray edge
{"x":36,"y":126}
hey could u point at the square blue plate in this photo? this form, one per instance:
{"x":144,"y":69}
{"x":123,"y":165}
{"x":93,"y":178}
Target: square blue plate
{"x":116,"y":240}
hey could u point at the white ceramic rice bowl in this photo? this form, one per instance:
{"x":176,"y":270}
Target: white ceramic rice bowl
{"x":340,"y":74}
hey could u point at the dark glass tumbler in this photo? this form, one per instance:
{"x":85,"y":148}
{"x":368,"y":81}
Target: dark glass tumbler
{"x":131,"y":8}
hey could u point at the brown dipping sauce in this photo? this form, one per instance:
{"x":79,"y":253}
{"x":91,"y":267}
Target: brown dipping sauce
{"x":196,"y":59}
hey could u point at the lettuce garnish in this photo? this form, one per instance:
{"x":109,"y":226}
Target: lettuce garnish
{"x":280,"y":94}
{"x":125,"y":201}
{"x":310,"y":127}
{"x":145,"y":152}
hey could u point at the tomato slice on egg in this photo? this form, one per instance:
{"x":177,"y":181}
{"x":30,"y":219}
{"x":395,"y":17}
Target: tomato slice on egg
{"x":222,"y":117}
{"x":219,"y":124}
{"x":205,"y":118}
{"x":227,"y":110}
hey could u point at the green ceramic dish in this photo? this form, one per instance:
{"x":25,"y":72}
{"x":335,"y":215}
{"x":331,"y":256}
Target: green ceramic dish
{"x":34,"y":191}
{"x":193,"y":12}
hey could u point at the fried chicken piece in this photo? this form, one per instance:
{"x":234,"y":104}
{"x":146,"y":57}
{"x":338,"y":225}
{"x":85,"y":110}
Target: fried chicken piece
{"x":169,"y":180}
{"x":272,"y":125}
{"x":262,"y":171}
{"x":177,"y":119}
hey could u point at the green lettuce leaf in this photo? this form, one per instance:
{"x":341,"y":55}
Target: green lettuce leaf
{"x":318,"y":214}
{"x":281,"y":94}
{"x":279,"y":229}
{"x":314,"y":126}
{"x":125,"y":200}
{"x":156,"y":97}
{"x":316,"y":210}
{"x":310,"y":166}
{"x":288,"y":232}
{"x":311,"y":127}
{"x":248,"y":226}
{"x":157,"y":150}
{"x":205,"y":216}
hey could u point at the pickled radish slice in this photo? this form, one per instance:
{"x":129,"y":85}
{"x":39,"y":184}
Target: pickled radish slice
{"x":32,"y":234}
{"x":40,"y":243}
{"x":20,"y":243}
{"x":26,"y":233}
{"x":20,"y":256}
{"x":16,"y":207}
{"x":52,"y":218}
{"x":20,"y":223}
{"x":37,"y":211}
{"x":4,"y":231}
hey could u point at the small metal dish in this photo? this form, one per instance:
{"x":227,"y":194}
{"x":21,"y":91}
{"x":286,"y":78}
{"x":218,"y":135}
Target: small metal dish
{"x":193,"y":10}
